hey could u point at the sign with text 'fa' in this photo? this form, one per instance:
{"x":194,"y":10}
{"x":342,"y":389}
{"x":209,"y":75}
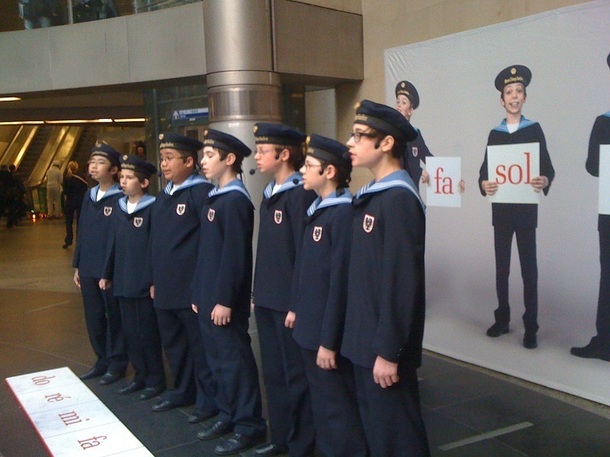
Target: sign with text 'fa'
{"x":444,"y":186}
{"x":513,"y":166}
{"x":70,"y":419}
{"x":604,"y":179}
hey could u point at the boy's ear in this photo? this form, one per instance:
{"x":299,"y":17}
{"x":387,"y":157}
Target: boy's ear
{"x":285,"y":155}
{"x":330,"y":171}
{"x":387,"y":143}
{"x":192,"y":161}
{"x":230,"y":159}
{"x":114,"y":170}
{"x":145,"y":183}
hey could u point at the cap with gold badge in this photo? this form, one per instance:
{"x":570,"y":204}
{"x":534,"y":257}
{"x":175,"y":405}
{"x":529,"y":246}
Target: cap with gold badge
{"x":513,"y":74}
{"x":408,"y":90}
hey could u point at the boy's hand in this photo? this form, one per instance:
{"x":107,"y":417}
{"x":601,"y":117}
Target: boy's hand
{"x":539,"y":183}
{"x":490,"y":187}
{"x":326,"y":359}
{"x":385,"y":373}
{"x":425,"y":177}
{"x":76,"y":278}
{"x":290,"y":318}
{"x":221,"y":315}
{"x":152,"y":291}
{"x":194,"y":308}
{"x":104,"y":284}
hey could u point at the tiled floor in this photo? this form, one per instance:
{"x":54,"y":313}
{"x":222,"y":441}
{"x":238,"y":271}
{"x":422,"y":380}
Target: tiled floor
{"x":468,"y":412}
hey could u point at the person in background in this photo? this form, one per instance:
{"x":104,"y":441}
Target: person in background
{"x":5,"y":182}
{"x":141,"y":150}
{"x":15,"y":197}
{"x":74,"y":190}
{"x":54,"y":182}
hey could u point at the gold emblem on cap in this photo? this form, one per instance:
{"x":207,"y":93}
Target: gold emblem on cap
{"x":403,"y":84}
{"x":513,"y":71}
{"x":308,"y":139}
{"x":205,"y":132}
{"x":357,"y":105}
{"x":98,"y":144}
{"x":125,"y":157}
{"x":255,"y":129}
{"x":160,"y":136}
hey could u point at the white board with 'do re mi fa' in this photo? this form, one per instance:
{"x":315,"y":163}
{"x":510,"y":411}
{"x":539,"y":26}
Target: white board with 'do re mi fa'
{"x":70,"y":419}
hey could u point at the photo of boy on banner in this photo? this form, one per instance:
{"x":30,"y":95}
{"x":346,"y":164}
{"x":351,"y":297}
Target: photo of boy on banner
{"x":407,"y":101}
{"x":516,"y":217}
{"x":598,"y":164}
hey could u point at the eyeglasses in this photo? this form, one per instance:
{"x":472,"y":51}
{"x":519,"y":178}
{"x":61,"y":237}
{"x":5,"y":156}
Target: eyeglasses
{"x":307,"y":165}
{"x":262,"y":151}
{"x":169,"y":158}
{"x":357,"y":136}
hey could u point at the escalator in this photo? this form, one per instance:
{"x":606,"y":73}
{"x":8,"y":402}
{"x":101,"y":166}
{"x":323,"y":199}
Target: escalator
{"x":34,"y":151}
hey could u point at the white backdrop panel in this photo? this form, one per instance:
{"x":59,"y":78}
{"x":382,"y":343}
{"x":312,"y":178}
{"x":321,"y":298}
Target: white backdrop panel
{"x":566,"y":50}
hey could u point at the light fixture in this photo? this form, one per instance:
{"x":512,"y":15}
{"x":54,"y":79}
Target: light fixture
{"x":22,"y":123}
{"x":76,"y":121}
{"x":9,"y":99}
{"x":133,"y":119}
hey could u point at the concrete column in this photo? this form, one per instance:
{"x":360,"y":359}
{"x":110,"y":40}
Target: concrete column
{"x":242,"y":87}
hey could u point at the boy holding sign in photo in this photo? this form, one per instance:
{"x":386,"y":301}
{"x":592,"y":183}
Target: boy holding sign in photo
{"x":516,"y":217}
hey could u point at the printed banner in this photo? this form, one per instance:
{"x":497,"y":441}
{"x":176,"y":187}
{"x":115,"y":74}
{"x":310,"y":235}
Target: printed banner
{"x":513,"y":166}
{"x":604,"y":179}
{"x":444,"y":186}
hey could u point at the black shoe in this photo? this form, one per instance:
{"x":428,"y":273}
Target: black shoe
{"x":590,"y":351}
{"x":497,"y":329}
{"x":165,"y":405}
{"x":130,"y":388}
{"x":234,"y":444}
{"x":200,"y":416}
{"x":67,"y":245}
{"x":271,"y":449}
{"x":110,"y":377}
{"x":92,"y":373}
{"x":151,"y":392}
{"x":216,"y":430}
{"x":530,"y":341}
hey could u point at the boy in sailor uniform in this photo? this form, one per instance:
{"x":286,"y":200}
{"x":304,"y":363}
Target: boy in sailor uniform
{"x":384,"y":321}
{"x":279,"y":152}
{"x":599,"y":346}
{"x":320,"y":296}
{"x":513,"y":218}
{"x":102,"y":312}
{"x":221,"y":295}
{"x":128,"y":251}
{"x":174,"y":239}
{"x":407,"y":101}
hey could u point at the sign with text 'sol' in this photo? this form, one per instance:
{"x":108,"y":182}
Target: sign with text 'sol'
{"x":604,"y":179}
{"x":70,"y":419}
{"x":513,"y":166}
{"x":444,"y":185}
